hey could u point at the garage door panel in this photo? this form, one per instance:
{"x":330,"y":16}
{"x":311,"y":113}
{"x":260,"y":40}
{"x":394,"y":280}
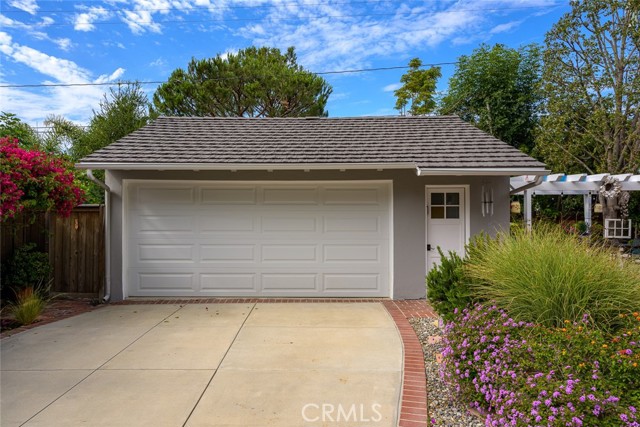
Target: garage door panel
{"x":227,"y":222}
{"x":164,"y":281}
{"x":260,"y":239}
{"x":155,"y":224}
{"x":229,"y":195}
{"x":289,"y":253}
{"x":347,"y":283}
{"x":347,"y":253}
{"x":229,"y":283}
{"x":292,"y":196}
{"x":288,"y":224}
{"x":286,"y":282}
{"x":160,"y":196}
{"x":351,"y":224}
{"x":166,"y":253}
{"x":352,"y":196}
{"x":227,"y":253}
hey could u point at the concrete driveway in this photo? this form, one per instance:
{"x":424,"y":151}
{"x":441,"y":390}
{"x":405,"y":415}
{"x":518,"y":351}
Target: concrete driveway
{"x":206,"y":365}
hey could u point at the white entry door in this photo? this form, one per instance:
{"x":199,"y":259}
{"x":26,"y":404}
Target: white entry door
{"x":446,"y":222}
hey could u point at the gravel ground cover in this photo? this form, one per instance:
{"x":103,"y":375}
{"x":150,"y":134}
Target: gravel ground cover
{"x":444,"y":409}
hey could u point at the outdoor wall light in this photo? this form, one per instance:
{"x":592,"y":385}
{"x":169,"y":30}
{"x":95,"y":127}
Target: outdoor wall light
{"x":487,"y":201}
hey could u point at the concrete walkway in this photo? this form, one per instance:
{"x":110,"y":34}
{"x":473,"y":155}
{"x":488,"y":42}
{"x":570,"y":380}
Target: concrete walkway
{"x":206,"y":365}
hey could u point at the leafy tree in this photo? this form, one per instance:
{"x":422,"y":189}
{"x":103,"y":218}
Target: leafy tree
{"x":592,"y":89}
{"x":122,"y":111}
{"x":497,"y":89}
{"x":418,"y":88}
{"x":12,"y":126}
{"x":255,"y":82}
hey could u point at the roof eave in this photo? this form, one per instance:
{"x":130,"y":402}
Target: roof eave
{"x":243,"y":166}
{"x":492,"y":171}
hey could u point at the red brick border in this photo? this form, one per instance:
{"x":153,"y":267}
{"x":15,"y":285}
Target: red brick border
{"x":413,"y":407}
{"x":137,"y":301}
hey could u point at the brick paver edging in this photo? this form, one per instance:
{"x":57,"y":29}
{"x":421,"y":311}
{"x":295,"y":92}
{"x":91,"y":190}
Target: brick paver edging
{"x":413,"y":406}
{"x":138,"y":301}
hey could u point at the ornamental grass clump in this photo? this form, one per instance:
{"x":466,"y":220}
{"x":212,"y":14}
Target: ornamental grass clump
{"x":28,"y":306}
{"x":548,"y":276}
{"x":523,"y":374}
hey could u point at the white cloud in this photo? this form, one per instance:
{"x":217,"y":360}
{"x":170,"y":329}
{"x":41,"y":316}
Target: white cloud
{"x":35,"y":105}
{"x":84,"y":21}
{"x":347,"y":35}
{"x":228,"y":52}
{"x":63,"y":43}
{"x":503,"y":28}
{"x":29,"y":6}
{"x":34,"y":31}
{"x":392,"y":87}
{"x":160,"y":62}
{"x":62,"y":70}
{"x":139,"y":21}
{"x":109,"y":78}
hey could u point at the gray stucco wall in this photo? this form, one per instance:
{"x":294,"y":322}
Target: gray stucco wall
{"x":409,"y":260}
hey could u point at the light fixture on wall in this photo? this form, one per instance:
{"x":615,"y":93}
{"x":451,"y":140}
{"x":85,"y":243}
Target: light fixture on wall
{"x":597,"y":208}
{"x":487,"y":201}
{"x":516,"y":208}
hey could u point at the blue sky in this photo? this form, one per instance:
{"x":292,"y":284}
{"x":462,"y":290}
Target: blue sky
{"x":97,"y":41}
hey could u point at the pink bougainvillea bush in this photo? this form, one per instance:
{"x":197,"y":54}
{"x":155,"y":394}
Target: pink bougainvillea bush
{"x":35,"y":181}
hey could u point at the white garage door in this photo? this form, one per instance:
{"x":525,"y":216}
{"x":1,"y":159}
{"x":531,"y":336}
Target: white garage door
{"x":257,"y":239}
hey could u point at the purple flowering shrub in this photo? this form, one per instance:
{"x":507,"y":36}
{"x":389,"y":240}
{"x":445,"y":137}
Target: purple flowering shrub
{"x":522,"y":374}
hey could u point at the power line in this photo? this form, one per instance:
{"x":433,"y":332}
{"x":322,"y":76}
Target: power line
{"x":147,"y":82}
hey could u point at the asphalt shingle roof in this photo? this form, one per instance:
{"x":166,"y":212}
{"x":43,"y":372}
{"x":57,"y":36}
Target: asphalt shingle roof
{"x":432,"y":142}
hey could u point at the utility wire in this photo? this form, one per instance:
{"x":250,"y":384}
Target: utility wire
{"x":148,"y":82}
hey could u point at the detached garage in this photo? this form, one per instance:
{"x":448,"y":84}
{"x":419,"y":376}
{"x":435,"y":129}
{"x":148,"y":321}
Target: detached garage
{"x":297,"y":207}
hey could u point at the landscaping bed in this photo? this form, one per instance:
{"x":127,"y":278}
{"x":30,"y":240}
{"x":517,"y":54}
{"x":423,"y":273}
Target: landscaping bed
{"x":56,"y":309}
{"x":542,"y":329}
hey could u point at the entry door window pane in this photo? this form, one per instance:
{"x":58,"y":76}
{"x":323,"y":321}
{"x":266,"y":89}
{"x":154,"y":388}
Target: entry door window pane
{"x":437,"y":199}
{"x":453,"y":199}
{"x":437,"y":212}
{"x":453,"y":212}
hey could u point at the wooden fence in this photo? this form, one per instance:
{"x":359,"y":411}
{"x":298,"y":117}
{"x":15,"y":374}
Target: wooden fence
{"x":75,"y":246}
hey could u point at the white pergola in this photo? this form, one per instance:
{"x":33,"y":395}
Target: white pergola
{"x":561,"y":184}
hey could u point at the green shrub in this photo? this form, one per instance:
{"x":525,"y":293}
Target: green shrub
{"x":27,"y":267}
{"x":447,"y":289}
{"x":548,"y":276}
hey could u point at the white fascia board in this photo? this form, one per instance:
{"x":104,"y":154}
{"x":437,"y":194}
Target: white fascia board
{"x":484,"y":171}
{"x":243,"y":166}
